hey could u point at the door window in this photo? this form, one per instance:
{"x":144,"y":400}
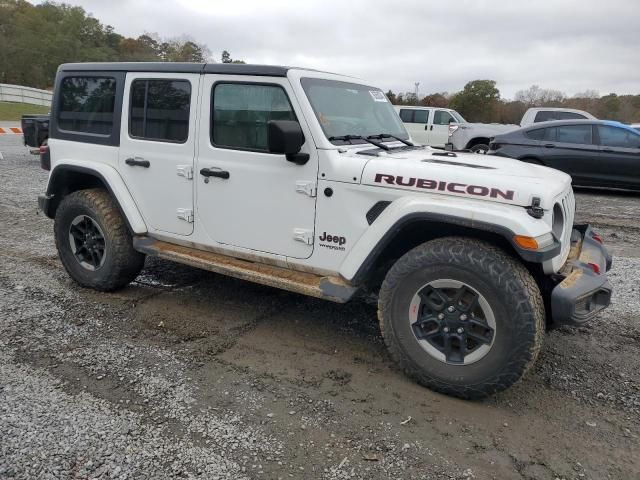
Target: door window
{"x":240,"y":113}
{"x":537,"y":134}
{"x":421,"y":116}
{"x":87,"y":105}
{"x":442,"y":117}
{"x":580,"y":134}
{"x":547,"y":115}
{"x":618,"y":137}
{"x":160,"y":110}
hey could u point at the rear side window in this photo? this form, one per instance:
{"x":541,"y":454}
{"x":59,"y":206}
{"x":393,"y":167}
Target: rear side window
{"x":421,"y":116}
{"x":548,"y":115}
{"x":159,"y":110}
{"x":87,"y":104}
{"x":618,"y":137}
{"x":240,"y":113}
{"x":537,"y":134}
{"x":442,"y":117}
{"x":580,"y":134}
{"x":406,"y":115}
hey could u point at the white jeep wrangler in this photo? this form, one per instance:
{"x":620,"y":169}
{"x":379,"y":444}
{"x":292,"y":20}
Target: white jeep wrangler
{"x":307,"y":181}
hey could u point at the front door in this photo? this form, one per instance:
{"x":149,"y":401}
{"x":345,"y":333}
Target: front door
{"x":258,"y":200}
{"x":440,"y":128}
{"x":157,"y":147}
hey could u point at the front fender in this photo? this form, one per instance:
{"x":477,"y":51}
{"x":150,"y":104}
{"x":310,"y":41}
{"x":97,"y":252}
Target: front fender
{"x":112,"y":181}
{"x":501,"y":219}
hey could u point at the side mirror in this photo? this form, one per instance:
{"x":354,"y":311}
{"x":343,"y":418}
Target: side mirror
{"x":286,"y":137}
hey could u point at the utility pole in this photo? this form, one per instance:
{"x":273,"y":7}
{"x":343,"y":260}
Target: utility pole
{"x":417,"y":87}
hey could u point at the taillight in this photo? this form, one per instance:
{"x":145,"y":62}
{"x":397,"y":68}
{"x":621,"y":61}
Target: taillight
{"x":597,"y":238}
{"x":453,"y":128}
{"x":595,"y":267}
{"x":45,"y":157}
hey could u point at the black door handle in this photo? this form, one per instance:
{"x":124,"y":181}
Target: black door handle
{"x":549,"y":145}
{"x":208,"y":172}
{"x":132,"y":162}
{"x":426,"y":127}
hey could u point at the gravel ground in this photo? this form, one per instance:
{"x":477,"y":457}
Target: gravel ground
{"x":186,"y":374}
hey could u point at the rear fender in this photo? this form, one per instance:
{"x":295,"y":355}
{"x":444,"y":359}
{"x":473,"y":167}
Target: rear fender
{"x":108,"y":176}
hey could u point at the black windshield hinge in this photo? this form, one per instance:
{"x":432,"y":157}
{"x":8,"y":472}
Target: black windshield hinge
{"x":535,"y":210}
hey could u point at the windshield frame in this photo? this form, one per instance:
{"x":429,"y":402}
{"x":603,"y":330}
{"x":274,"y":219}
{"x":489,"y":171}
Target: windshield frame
{"x":401,"y":132}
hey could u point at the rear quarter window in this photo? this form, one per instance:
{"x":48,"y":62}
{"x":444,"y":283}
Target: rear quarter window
{"x":537,"y":134}
{"x":87,"y":105}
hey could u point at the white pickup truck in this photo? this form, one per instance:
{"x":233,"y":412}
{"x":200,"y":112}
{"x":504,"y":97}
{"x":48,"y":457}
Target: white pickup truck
{"x":307,"y":181}
{"x":476,"y":136}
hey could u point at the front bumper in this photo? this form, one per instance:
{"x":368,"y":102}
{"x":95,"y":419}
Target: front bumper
{"x":585,"y":290}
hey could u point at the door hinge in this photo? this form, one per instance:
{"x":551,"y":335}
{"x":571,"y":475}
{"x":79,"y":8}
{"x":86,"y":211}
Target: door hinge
{"x":185,"y":171}
{"x":308,"y":188}
{"x":303,"y":235}
{"x":185,"y":214}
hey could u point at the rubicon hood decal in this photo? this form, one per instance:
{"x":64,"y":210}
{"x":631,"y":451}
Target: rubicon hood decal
{"x":453,"y":187}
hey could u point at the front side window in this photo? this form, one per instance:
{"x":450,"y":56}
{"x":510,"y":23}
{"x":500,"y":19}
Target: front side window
{"x":160,"y":110}
{"x":87,"y":104}
{"x":344,"y":108}
{"x":618,"y":137}
{"x":442,"y":117}
{"x":580,"y":134}
{"x":241,"y":111}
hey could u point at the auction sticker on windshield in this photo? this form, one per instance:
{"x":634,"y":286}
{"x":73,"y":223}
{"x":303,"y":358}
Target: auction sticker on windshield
{"x":378,"y":96}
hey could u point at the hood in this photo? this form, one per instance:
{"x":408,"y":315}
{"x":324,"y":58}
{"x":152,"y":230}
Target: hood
{"x":483,"y":177}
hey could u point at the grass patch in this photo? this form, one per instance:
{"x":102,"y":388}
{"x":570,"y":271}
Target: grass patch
{"x":10,"y":111}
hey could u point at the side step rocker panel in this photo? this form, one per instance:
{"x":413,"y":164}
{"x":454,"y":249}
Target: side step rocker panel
{"x":334,"y":289}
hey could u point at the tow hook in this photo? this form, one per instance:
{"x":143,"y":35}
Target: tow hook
{"x":535,"y":210}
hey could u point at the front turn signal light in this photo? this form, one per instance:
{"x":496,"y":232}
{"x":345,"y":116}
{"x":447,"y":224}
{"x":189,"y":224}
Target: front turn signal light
{"x":528,"y":243}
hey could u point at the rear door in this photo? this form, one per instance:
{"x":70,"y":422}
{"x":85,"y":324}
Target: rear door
{"x":619,"y":162}
{"x":571,"y":148}
{"x":157,"y":147}
{"x":439,"y":131}
{"x":416,"y":121}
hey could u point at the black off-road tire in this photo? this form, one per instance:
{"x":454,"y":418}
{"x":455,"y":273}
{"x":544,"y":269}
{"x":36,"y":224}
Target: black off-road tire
{"x":122,"y":263}
{"x":510,"y":291}
{"x":480,"y":148}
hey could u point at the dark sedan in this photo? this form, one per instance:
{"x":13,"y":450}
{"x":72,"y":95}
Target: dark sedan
{"x":596,"y":153}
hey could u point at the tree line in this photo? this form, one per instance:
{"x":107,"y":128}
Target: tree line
{"x":480,"y":101}
{"x":35,"y":39}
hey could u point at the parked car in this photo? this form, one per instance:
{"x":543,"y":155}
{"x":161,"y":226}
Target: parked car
{"x":428,"y":125}
{"x":476,"y":136}
{"x":306,"y":181}
{"x":35,"y":129}
{"x":596,"y":153}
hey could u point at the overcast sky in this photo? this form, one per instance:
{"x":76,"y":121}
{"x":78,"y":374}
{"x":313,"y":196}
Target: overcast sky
{"x":568,"y":45}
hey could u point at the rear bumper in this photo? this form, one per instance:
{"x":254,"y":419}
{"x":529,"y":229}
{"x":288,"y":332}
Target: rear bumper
{"x":585,"y":290}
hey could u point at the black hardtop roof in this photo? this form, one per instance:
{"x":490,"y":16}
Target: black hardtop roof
{"x":179,"y":67}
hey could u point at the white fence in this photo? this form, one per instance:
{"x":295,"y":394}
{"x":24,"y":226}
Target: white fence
{"x":16,"y":93}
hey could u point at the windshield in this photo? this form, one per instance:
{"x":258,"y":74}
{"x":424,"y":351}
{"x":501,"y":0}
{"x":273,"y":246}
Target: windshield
{"x":457,"y":116}
{"x":349,"y":109}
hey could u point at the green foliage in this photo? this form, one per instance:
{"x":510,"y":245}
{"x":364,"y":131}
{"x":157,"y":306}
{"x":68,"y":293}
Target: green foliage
{"x":36,"y":39}
{"x":10,"y":111}
{"x":478,"y":101}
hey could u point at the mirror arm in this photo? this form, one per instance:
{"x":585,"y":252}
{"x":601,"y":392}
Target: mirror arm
{"x":299,"y":158}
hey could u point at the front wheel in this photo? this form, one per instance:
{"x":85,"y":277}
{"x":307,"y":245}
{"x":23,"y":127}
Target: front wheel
{"x":481,"y":148}
{"x":93,"y":241}
{"x":461,"y":316}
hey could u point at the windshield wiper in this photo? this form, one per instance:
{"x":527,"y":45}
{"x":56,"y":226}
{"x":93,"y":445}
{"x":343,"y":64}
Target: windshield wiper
{"x":348,"y":138}
{"x":381,"y":136}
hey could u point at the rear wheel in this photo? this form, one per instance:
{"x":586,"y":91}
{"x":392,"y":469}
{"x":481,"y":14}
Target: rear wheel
{"x":93,"y":241}
{"x":461,"y":316}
